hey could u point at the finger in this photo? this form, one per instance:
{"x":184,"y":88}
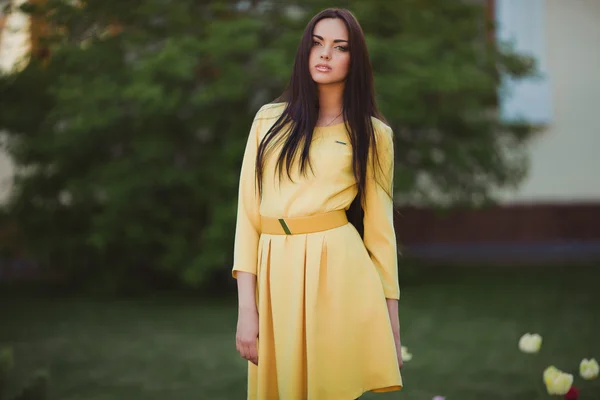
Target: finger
{"x":247,"y":351}
{"x":253,"y":355}
{"x":243,"y":351}
{"x":251,"y":352}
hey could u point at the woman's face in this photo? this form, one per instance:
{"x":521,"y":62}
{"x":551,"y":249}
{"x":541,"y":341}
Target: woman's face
{"x":330,"y":55}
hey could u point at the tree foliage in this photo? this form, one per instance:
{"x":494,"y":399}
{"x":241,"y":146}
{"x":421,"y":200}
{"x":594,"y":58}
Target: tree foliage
{"x":128,"y":124}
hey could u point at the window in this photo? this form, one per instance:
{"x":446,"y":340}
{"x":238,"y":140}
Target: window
{"x":522,"y":24}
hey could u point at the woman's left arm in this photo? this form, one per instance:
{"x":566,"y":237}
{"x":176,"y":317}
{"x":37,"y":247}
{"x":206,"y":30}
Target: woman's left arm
{"x":379,"y":232}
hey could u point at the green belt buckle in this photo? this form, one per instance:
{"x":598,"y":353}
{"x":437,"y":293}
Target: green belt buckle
{"x":284,"y":226}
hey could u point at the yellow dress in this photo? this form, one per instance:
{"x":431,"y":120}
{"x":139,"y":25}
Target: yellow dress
{"x":324,"y":329}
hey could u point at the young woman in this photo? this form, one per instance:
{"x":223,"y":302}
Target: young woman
{"x":318,"y":292}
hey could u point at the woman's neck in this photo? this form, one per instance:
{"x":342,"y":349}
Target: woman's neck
{"x":331,"y":100}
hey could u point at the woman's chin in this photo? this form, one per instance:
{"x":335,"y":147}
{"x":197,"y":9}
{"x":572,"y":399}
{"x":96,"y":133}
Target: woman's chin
{"x":319,"y":80}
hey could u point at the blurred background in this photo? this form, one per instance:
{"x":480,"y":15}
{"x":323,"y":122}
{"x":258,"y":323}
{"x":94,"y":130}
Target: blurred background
{"x":122,"y":128}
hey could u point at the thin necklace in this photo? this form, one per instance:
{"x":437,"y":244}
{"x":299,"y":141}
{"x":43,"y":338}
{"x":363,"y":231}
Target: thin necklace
{"x":334,"y":118}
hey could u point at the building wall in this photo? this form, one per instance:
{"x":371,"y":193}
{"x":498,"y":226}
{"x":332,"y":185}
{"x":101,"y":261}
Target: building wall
{"x":14,"y":45}
{"x":565,"y":156}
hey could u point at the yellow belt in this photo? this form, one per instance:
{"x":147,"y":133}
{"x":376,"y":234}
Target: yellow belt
{"x":303,"y":225}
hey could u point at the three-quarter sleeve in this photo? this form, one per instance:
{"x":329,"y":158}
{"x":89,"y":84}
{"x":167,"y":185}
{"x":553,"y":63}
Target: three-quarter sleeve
{"x":247,"y":229}
{"x":379,"y":232}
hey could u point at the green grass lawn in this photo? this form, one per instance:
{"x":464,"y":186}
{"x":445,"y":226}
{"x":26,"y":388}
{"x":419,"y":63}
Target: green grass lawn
{"x":461,"y":325}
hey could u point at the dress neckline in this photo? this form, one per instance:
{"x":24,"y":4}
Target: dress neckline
{"x":338,"y":125}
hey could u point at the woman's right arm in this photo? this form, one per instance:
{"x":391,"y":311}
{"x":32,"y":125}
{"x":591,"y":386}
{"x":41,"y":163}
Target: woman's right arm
{"x":247,"y":234}
{"x":247,"y":228}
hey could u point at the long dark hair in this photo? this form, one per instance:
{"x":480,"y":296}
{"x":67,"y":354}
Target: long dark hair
{"x":293,"y":130}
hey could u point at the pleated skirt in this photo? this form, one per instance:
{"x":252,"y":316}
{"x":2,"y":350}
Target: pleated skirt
{"x":324,"y":328}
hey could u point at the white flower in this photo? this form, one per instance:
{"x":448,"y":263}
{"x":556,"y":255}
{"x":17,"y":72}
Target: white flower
{"x":530,"y":343}
{"x":406,"y":356}
{"x":550,"y":374}
{"x":588,"y":369}
{"x":557,"y":382}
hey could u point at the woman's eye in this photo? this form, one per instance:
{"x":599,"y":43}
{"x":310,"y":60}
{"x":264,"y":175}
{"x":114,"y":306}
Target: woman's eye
{"x":342,"y":48}
{"x":315,"y":43}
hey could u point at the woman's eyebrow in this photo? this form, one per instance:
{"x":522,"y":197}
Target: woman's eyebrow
{"x":335,"y":41}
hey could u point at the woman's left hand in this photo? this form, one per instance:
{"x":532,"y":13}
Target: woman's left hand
{"x":399,"y":351}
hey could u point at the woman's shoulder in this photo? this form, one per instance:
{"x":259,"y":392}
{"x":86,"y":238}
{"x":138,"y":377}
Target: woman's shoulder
{"x":384,"y":135}
{"x":381,"y":127}
{"x":270,"y":111}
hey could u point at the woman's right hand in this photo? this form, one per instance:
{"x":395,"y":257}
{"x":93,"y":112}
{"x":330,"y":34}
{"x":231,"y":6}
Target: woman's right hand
{"x":247,"y":334}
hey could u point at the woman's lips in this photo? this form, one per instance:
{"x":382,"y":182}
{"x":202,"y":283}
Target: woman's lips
{"x":323,"y":68}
